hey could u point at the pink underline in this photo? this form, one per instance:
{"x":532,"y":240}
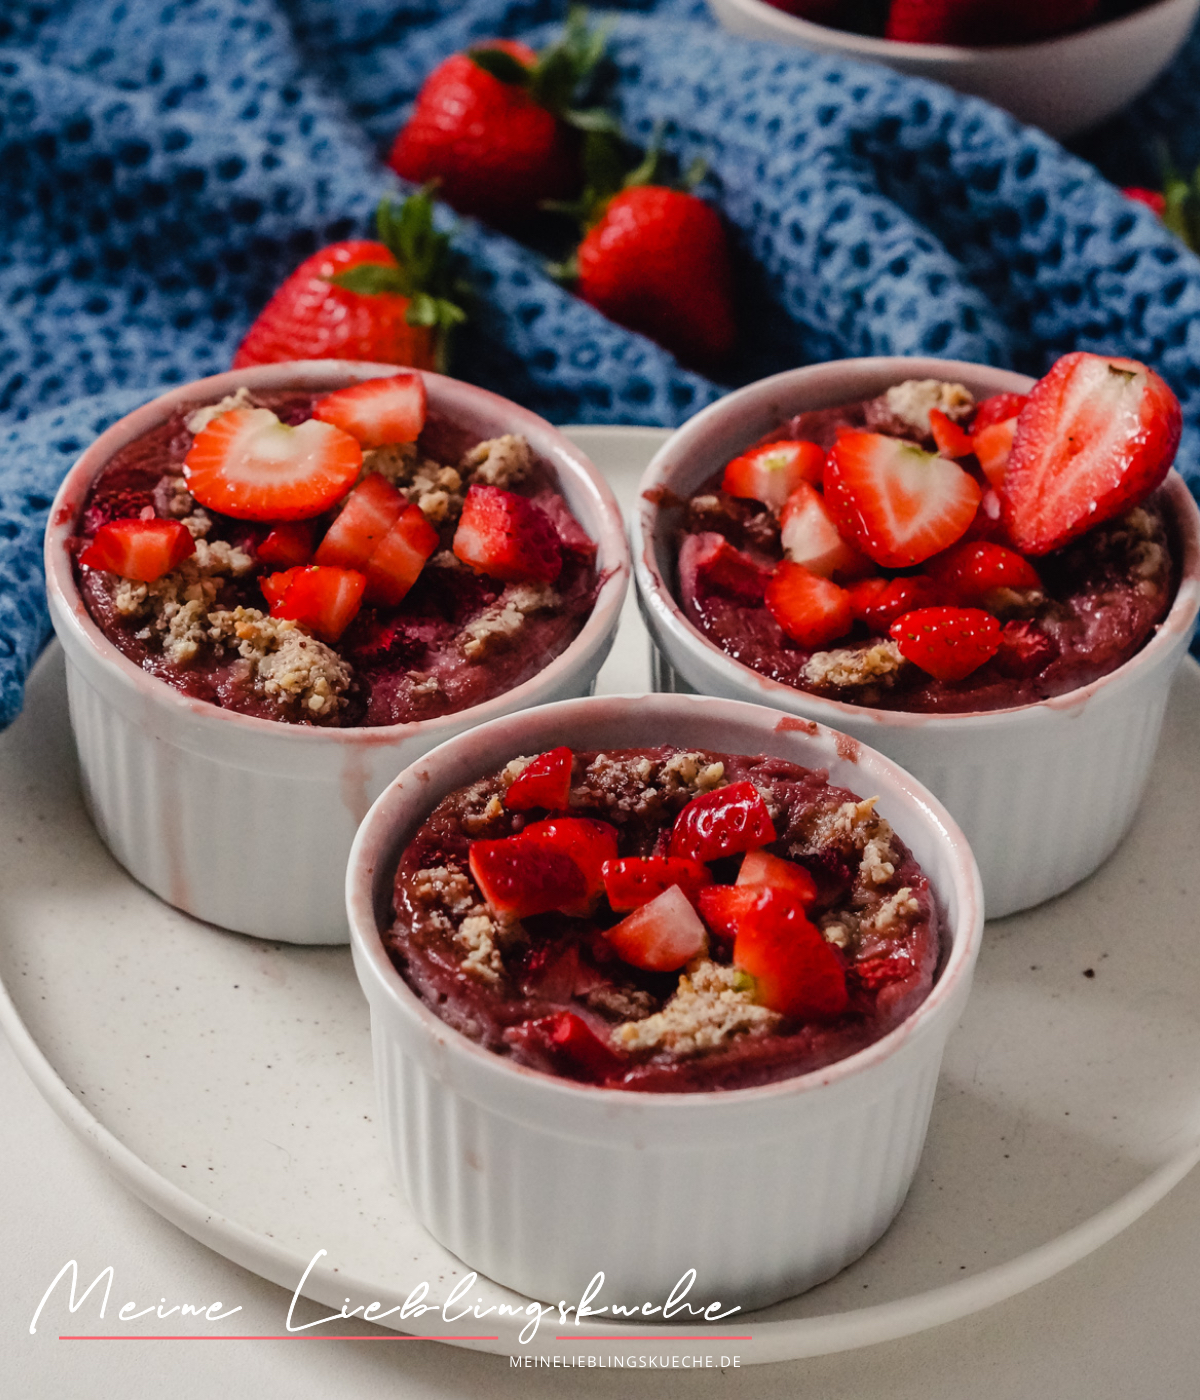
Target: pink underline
{"x":640,"y":1337}
{"x":233,"y":1337}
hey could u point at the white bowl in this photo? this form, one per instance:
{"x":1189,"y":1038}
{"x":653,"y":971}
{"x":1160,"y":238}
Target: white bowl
{"x":1063,"y":85}
{"x":539,"y":1182}
{"x":247,"y":822}
{"x":1044,"y":792}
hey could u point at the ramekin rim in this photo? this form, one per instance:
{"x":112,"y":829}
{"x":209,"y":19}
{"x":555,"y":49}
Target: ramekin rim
{"x":367,"y":941}
{"x":67,"y":604}
{"x":655,"y":595}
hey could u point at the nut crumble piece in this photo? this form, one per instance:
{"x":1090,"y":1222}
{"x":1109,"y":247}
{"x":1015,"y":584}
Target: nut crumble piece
{"x":498,"y":626}
{"x":197,"y":421}
{"x":711,"y":1005}
{"x":848,"y":667}
{"x":912,"y":400}
{"x":289,"y":665}
{"x":501,"y":461}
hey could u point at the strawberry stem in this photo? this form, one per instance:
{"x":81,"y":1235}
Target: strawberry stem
{"x":561,"y":72}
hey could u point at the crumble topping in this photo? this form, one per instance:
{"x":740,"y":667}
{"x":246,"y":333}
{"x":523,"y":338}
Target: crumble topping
{"x":501,"y":461}
{"x":848,"y":667}
{"x":692,"y":772}
{"x":854,"y":828}
{"x":892,"y":910}
{"x":395,"y":463}
{"x":448,"y":894}
{"x":912,"y":400}
{"x":497,"y":627}
{"x":172,"y":499}
{"x":289,"y":664}
{"x":177,"y":604}
{"x":711,"y":1005}
{"x":199,"y":420}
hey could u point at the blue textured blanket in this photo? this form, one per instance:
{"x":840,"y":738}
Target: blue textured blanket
{"x":165,"y":163}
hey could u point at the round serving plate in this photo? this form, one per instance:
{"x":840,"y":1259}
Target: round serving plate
{"x":227,"y":1081}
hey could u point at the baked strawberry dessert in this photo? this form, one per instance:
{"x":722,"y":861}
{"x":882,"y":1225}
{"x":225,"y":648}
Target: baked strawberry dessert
{"x":924,"y":552}
{"x":664,"y":920}
{"x":338,"y":559}
{"x":969,"y":22}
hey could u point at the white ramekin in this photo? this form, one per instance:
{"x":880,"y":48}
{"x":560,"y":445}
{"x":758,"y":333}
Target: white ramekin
{"x":1063,"y":85}
{"x":539,"y":1182}
{"x":1044,"y":792}
{"x":245,"y":822}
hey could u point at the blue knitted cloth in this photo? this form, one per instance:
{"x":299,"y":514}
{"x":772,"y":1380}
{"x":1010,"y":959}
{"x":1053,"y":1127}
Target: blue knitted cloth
{"x":165,"y":163}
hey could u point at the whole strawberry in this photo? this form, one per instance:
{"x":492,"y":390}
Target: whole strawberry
{"x":657,"y":261}
{"x":384,"y":301}
{"x":494,"y":126}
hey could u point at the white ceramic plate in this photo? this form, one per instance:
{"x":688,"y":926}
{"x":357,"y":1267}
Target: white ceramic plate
{"x":228,"y":1081}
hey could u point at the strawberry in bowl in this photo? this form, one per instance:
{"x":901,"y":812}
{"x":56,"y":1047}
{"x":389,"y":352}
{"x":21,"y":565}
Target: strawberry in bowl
{"x":276,"y":587}
{"x":976,"y":559}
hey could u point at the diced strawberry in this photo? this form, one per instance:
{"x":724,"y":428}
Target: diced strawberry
{"x":570,"y":1044}
{"x":521,"y":876}
{"x":143,"y":550}
{"x":377,"y":412}
{"x":1025,"y":650}
{"x":727,"y":570}
{"x":636,"y":880}
{"x":873,"y":973}
{"x":772,"y":472}
{"x":970,"y":572}
{"x":796,"y":972}
{"x":811,"y":610}
{"x":507,"y":537}
{"x":723,"y":822}
{"x":897,"y":504}
{"x":248,"y":464}
{"x":810,"y":538}
{"x":1153,"y":199}
{"x":380,"y":534}
{"x":879,"y":602}
{"x":724,"y":906}
{"x":546,"y":782}
{"x":274,"y":586}
{"x":948,"y":643}
{"x":662,"y":935}
{"x":1097,"y":436}
{"x":998,"y":409}
{"x":324,"y":600}
{"x":589,"y":843}
{"x":289,"y":544}
{"x":951,"y":440}
{"x":397,"y":560}
{"x":993,"y":447}
{"x":762,"y":870}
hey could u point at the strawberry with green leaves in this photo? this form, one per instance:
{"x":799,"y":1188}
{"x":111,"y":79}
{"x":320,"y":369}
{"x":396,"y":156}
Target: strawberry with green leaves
{"x":498,"y":126}
{"x":393,"y":301}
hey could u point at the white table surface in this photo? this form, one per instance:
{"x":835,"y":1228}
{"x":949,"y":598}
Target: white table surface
{"x":1125,"y":1322}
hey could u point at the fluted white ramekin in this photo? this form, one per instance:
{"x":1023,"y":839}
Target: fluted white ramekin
{"x":246,"y":822}
{"x":541,"y":1183}
{"x":1044,"y":792}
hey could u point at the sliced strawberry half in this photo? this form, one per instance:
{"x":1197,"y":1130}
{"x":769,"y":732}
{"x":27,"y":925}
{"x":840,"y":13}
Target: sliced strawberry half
{"x":507,"y":537}
{"x":896,"y":503}
{"x":772,"y":472}
{"x":248,"y":464}
{"x":762,"y":870}
{"x":812,"y":610}
{"x":880,"y":601}
{"x":379,"y":533}
{"x":545,"y":782}
{"x":998,"y":409}
{"x":721,"y":567}
{"x":589,"y":843}
{"x":724,"y":822}
{"x":143,"y":550}
{"x":377,"y":412}
{"x":662,"y":935}
{"x":992,"y":445}
{"x":324,"y":600}
{"x":967,"y":574}
{"x":809,"y":537}
{"x":636,"y":880}
{"x":289,"y":544}
{"x":520,"y":876}
{"x":1096,"y":437}
{"x":796,"y":972}
{"x":724,"y":906}
{"x":951,"y":440}
{"x":948,"y":643}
